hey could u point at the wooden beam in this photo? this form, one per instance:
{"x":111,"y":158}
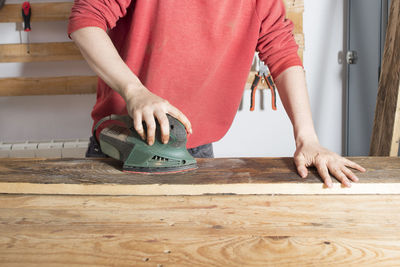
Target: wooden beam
{"x":220,"y":230}
{"x":58,"y":51}
{"x":297,"y":19}
{"x":214,"y":176}
{"x":48,"y":86}
{"x":40,"y":12}
{"x":386,"y":131}
{"x":294,"y":6}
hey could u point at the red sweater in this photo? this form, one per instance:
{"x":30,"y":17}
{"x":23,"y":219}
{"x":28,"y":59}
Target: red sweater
{"x":196,"y":54}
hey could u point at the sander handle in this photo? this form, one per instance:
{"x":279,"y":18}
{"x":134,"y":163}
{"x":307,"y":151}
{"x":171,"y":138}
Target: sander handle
{"x":113,"y":117}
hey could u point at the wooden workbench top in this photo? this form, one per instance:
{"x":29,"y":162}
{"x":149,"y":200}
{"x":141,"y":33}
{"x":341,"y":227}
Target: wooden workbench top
{"x":214,"y":176}
{"x":195,"y":230}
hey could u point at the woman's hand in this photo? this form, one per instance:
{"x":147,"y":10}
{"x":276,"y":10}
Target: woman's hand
{"x":144,"y":106}
{"x":313,"y":154}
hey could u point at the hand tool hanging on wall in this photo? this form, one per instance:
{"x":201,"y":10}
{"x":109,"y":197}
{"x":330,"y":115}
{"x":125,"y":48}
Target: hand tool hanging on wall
{"x":263,"y":76}
{"x":2,"y":2}
{"x":26,"y":15}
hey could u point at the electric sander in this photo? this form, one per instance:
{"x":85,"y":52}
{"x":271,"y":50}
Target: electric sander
{"x":119,"y":140}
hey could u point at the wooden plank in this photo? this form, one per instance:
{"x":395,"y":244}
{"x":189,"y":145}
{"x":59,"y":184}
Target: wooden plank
{"x":297,"y":19}
{"x":200,"y":230}
{"x":214,"y":176}
{"x":294,"y":5}
{"x":65,"y":85}
{"x":57,"y":51}
{"x":48,"y":86}
{"x":40,"y":12}
{"x":386,"y":131}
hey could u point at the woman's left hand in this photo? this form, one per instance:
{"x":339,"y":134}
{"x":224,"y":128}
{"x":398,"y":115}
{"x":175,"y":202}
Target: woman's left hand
{"x":313,"y":154}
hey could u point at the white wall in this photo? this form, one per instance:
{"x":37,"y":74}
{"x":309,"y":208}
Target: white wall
{"x":259,"y":133}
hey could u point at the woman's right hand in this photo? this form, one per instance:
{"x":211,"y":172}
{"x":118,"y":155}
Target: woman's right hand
{"x":144,"y":106}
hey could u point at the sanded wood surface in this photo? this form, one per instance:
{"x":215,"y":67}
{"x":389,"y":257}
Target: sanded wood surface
{"x":39,"y":52}
{"x":386,"y":131}
{"x":48,"y":85}
{"x":214,"y":176}
{"x":200,"y":230}
{"x":40,"y":12}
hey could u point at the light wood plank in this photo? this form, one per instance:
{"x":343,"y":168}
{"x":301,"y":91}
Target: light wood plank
{"x":297,"y":19}
{"x":58,"y":51}
{"x":214,"y":176}
{"x":200,"y":230}
{"x":48,"y":86}
{"x":386,"y":131}
{"x":40,"y":12}
{"x":294,"y":5}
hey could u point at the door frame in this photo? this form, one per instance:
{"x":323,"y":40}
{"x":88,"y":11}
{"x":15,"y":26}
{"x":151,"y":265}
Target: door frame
{"x":385,"y":5}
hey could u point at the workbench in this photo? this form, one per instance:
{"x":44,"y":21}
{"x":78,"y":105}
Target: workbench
{"x":229,"y":212}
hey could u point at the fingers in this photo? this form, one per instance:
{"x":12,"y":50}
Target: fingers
{"x":340,"y":175}
{"x":343,"y":174}
{"x":181,"y":117}
{"x":148,"y":108}
{"x":339,"y":170}
{"x":151,"y":127}
{"x":350,"y":174}
{"x":301,"y":166}
{"x":354,"y":165}
{"x":324,"y":173}
{"x":164,"y":124}
{"x":138,"y":124}
{"x":149,"y":120}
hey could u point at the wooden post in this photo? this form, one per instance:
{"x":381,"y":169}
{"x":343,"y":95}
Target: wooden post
{"x":386,"y":131}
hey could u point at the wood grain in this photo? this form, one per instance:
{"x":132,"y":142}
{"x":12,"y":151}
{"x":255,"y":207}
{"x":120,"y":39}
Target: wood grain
{"x":48,"y":85}
{"x":386,"y":130}
{"x":294,"y":6}
{"x":200,"y":230}
{"x":40,"y":12}
{"x":214,"y":176}
{"x":39,"y":52}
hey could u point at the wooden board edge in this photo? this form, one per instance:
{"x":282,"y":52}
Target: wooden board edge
{"x":39,"y":52}
{"x":45,"y":11}
{"x":61,"y":85}
{"x":206,"y":189}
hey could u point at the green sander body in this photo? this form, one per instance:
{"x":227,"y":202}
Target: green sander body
{"x":120,"y":141}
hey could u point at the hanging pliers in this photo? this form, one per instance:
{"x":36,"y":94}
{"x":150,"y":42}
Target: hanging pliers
{"x":263,"y":76}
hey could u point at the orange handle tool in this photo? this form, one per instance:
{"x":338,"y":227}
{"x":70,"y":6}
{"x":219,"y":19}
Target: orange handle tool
{"x":271,"y":85}
{"x":254,"y":85}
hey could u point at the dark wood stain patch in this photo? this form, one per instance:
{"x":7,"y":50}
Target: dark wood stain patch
{"x":210,"y":171}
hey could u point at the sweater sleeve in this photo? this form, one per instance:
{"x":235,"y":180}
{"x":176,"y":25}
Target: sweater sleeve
{"x":276,"y":44}
{"x":99,"y":13}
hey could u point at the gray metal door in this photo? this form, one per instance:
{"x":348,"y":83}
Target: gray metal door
{"x":366,"y":29}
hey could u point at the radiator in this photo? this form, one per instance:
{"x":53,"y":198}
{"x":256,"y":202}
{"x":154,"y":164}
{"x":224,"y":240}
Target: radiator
{"x":45,"y":149}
